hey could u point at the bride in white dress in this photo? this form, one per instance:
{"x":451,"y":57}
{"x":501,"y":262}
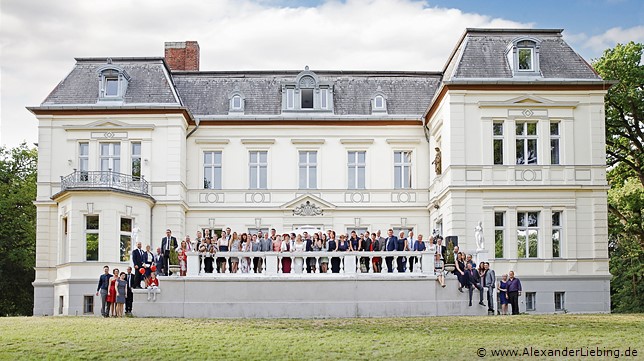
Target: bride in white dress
{"x":298,"y":262}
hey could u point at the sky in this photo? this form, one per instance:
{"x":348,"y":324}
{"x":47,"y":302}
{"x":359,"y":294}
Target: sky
{"x":39,"y":39}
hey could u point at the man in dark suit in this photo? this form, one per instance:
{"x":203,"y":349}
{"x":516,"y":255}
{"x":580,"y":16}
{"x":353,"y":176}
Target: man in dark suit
{"x":129,"y":278}
{"x":137,"y":261}
{"x":489,"y":281}
{"x":391,"y":243}
{"x":310,"y":261}
{"x":440,"y":248}
{"x":473,"y":281}
{"x":167,"y":243}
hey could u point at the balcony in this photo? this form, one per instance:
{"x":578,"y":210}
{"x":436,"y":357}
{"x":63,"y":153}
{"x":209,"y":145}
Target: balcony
{"x":104,"y":180}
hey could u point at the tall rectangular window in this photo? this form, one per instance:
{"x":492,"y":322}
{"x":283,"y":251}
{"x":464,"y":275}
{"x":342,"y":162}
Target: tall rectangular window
{"x":136,"y":160}
{"x":212,"y":170}
{"x":527,"y":234}
{"x":324,"y":101}
{"x":88,"y":304}
{"x":258,"y":169}
{"x":530,"y":301}
{"x":308,"y":169}
{"x":111,"y":157}
{"x":497,"y":133}
{"x":111,"y":87}
{"x":126,"y":238}
{"x":356,"y":169}
{"x":83,"y":160}
{"x":554,"y":142}
{"x":91,"y":238}
{"x":290,"y":98}
{"x":559,"y":301}
{"x":557,"y":233}
{"x":526,"y":142}
{"x":306,"y":98}
{"x":525,"y":59}
{"x":499,"y":233}
{"x":402,"y":170}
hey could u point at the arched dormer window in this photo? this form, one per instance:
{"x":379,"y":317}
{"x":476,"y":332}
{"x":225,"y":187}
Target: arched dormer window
{"x":379,"y":102}
{"x":112,"y":82}
{"x":307,"y":94}
{"x":523,"y":56}
{"x":236,"y":102}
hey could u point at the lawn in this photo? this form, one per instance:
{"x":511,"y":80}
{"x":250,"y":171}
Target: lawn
{"x":441,"y":338}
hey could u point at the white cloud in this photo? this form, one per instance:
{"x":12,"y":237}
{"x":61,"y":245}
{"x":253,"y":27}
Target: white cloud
{"x":40,"y":39}
{"x":594,"y":46}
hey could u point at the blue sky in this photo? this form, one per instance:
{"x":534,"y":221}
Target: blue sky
{"x":39,"y":39}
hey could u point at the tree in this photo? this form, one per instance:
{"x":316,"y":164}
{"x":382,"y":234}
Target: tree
{"x":625,"y":160}
{"x":18,"y":229}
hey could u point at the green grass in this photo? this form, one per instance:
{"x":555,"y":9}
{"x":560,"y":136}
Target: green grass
{"x":443,"y":338}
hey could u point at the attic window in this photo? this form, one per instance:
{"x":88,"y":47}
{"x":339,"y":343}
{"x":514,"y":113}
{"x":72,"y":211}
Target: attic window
{"x":113,"y":81}
{"x":236,"y":102}
{"x":307,"y":94}
{"x":523,"y":56}
{"x":379,"y":102}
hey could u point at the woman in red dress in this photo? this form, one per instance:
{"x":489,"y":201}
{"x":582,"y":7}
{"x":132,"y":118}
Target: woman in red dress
{"x":111,"y":292}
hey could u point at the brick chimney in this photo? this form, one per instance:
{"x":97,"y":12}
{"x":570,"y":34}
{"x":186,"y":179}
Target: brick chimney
{"x":182,"y":55}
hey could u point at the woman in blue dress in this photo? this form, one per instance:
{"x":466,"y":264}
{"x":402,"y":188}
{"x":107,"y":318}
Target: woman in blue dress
{"x":503,"y":295}
{"x":332,"y":246}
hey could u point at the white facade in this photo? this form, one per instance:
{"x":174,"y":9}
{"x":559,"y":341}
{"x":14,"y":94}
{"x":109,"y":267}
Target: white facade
{"x":180,"y":146}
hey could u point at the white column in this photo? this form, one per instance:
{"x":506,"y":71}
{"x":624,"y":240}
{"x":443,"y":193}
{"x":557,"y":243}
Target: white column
{"x":193,"y":264}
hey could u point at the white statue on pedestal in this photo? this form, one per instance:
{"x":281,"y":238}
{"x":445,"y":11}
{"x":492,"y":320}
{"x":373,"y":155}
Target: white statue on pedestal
{"x":135,"y":234}
{"x":478,"y":235}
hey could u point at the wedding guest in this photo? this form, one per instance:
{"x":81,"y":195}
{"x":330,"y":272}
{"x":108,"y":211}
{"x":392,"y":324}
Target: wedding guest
{"x":137,"y":262}
{"x":459,"y":271}
{"x":503,"y":293}
{"x":375,"y":247}
{"x":209,"y":259}
{"x":354,"y":242}
{"x":514,"y":291}
{"x":222,"y":244}
{"x":391,"y":243}
{"x":160,"y":262}
{"x":298,"y":262}
{"x":342,"y":246}
{"x":245,"y":247}
{"x":286,"y":247}
{"x":152,"y":286}
{"x":401,"y":245}
{"x":235,"y":246}
{"x":418,"y":246}
{"x":365,"y":246}
{"x":256,"y":247}
{"x":324,"y":261}
{"x":182,"y":255}
{"x":473,"y":281}
{"x":468,"y":259}
{"x":489,"y":281}
{"x":167,"y":243}
{"x":129,"y":281}
{"x":111,"y":293}
{"x":121,"y":294}
{"x":148,"y":261}
{"x":439,"y":270}
{"x":332,"y":246}
{"x":102,"y":289}
{"x":316,"y":246}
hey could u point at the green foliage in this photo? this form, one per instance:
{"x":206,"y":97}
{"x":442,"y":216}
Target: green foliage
{"x":450,"y":253}
{"x":18,"y":229}
{"x":174,"y":257}
{"x":625,"y":158}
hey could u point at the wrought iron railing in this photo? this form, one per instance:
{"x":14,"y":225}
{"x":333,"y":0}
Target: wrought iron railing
{"x":104,"y":179}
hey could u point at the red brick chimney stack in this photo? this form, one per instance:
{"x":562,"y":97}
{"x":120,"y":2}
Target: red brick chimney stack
{"x":182,"y":55}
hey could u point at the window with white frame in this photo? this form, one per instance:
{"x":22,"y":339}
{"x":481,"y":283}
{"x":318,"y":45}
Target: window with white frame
{"x":527,"y":234}
{"x":110,"y":157}
{"x":113,"y":81}
{"x":526,"y":142}
{"x":83,"y":160}
{"x":136,"y":160}
{"x":307,"y":93}
{"x":523,"y":56}
{"x":554,"y":142}
{"x":497,"y":134}
{"x":499,"y":234}
{"x":559,"y":301}
{"x":402,"y":169}
{"x":258,"y":169}
{"x":308,"y":169}
{"x":379,"y":103}
{"x":212,"y":170}
{"x":126,"y":238}
{"x":324,"y":98}
{"x":557,"y":233}
{"x":530,"y":301}
{"x":356,"y":169}
{"x":236,"y":102}
{"x":290,"y":98}
{"x":91,"y":237}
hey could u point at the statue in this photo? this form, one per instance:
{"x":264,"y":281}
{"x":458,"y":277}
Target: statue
{"x":135,"y":234}
{"x":437,"y":162}
{"x":478,"y":235}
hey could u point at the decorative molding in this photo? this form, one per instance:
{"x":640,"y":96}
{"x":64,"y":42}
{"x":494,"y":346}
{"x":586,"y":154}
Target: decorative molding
{"x":258,"y":141}
{"x":211,"y":197}
{"x":307,"y":141}
{"x":308,"y":209}
{"x":109,"y":135}
{"x":356,"y":141}
{"x":211,"y":141}
{"x":402,"y":140}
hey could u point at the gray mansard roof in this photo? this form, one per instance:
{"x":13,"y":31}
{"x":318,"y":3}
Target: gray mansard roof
{"x":207,"y":93}
{"x":480,"y":57}
{"x":149,"y":83}
{"x":481,"y":54}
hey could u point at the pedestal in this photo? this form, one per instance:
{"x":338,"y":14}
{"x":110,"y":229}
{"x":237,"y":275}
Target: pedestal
{"x":482,"y":255}
{"x":193,"y":264}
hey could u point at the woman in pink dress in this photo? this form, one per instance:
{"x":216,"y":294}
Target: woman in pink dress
{"x":111,"y":292}
{"x":183,"y":258}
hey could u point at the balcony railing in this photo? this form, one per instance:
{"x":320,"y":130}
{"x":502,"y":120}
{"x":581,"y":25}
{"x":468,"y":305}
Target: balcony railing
{"x":104,"y":179}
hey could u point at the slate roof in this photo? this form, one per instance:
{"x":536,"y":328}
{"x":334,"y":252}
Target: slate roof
{"x":148,"y":82}
{"x":481,"y":54}
{"x":207,"y":93}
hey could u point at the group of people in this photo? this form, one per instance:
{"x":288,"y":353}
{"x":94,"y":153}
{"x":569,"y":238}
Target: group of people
{"x":115,"y":290}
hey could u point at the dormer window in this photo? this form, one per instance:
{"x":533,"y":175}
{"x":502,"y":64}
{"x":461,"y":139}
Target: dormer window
{"x":523,"y":56}
{"x":236,"y":102}
{"x":379,"y":102}
{"x":307,"y":94}
{"x":113,"y":81}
